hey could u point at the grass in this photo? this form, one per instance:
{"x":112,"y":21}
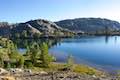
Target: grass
{"x":83,"y":69}
{"x":77,"y":68}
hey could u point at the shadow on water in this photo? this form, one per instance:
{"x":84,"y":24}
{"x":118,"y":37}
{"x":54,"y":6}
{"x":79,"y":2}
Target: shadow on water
{"x":23,"y":43}
{"x":106,"y":39}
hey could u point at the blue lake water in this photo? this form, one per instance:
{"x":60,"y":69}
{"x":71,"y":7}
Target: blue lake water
{"x":101,"y":52}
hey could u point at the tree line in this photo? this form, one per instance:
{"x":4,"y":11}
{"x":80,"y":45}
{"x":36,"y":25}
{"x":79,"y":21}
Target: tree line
{"x":36,"y":55}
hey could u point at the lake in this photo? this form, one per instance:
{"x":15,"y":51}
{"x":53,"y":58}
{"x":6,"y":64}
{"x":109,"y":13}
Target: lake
{"x":101,"y":52}
{"x":97,"y":51}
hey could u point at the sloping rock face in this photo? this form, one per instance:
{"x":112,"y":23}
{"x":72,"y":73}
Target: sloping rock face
{"x":89,"y":24}
{"x":29,"y":29}
{"x":4,"y":29}
{"x":44,"y":25}
{"x":24,"y":30}
{"x":35,"y":27}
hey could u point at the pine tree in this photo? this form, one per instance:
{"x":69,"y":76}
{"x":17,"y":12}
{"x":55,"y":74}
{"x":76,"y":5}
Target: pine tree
{"x":24,"y":34}
{"x":12,"y":51}
{"x":21,"y":62}
{"x":34,"y":51}
{"x":45,"y":57}
{"x":1,"y":59}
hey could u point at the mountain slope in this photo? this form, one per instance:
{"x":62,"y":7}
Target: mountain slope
{"x":41,"y":27}
{"x":88,"y":24}
{"x":33,"y":28}
{"x":4,"y":29}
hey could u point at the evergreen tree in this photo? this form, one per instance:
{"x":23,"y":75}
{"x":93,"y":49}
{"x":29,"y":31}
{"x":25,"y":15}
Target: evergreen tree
{"x":21,"y":62}
{"x":45,"y":57}
{"x":12,"y":51}
{"x":37,"y":35}
{"x":27,"y":51}
{"x":1,"y":59}
{"x":34,"y":51}
{"x":17,"y":35}
{"x":9,"y":55}
{"x":24,"y":34}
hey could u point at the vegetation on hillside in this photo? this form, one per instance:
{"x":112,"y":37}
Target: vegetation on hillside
{"x":36,"y":55}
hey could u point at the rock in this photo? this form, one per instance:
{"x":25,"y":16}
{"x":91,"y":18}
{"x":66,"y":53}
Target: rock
{"x":27,"y":71}
{"x":60,"y":75}
{"x":81,"y":25}
{"x":7,"y":78}
{"x":65,"y":69}
{"x":3,"y":71}
{"x":16,"y":70}
{"x":93,"y":76}
{"x":43,"y":72}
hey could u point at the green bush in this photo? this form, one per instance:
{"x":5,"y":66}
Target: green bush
{"x":28,"y":64}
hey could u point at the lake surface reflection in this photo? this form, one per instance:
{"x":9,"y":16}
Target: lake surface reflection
{"x":97,"y":51}
{"x":101,"y":52}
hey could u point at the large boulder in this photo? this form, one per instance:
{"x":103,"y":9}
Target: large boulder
{"x":7,"y":78}
{"x":3,"y":71}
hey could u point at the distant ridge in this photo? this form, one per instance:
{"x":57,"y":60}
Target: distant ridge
{"x":88,"y":24}
{"x":41,"y":27}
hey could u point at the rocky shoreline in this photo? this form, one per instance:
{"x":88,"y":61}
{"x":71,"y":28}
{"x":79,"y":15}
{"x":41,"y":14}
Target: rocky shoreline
{"x":41,"y":74}
{"x":59,"y":75}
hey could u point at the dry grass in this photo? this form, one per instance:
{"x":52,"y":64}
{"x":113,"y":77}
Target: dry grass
{"x":81,"y":69}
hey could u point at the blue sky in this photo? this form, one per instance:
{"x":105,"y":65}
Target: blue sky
{"x":54,"y":10}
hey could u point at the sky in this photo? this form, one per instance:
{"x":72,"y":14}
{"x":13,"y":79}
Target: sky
{"x":14,"y":11}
